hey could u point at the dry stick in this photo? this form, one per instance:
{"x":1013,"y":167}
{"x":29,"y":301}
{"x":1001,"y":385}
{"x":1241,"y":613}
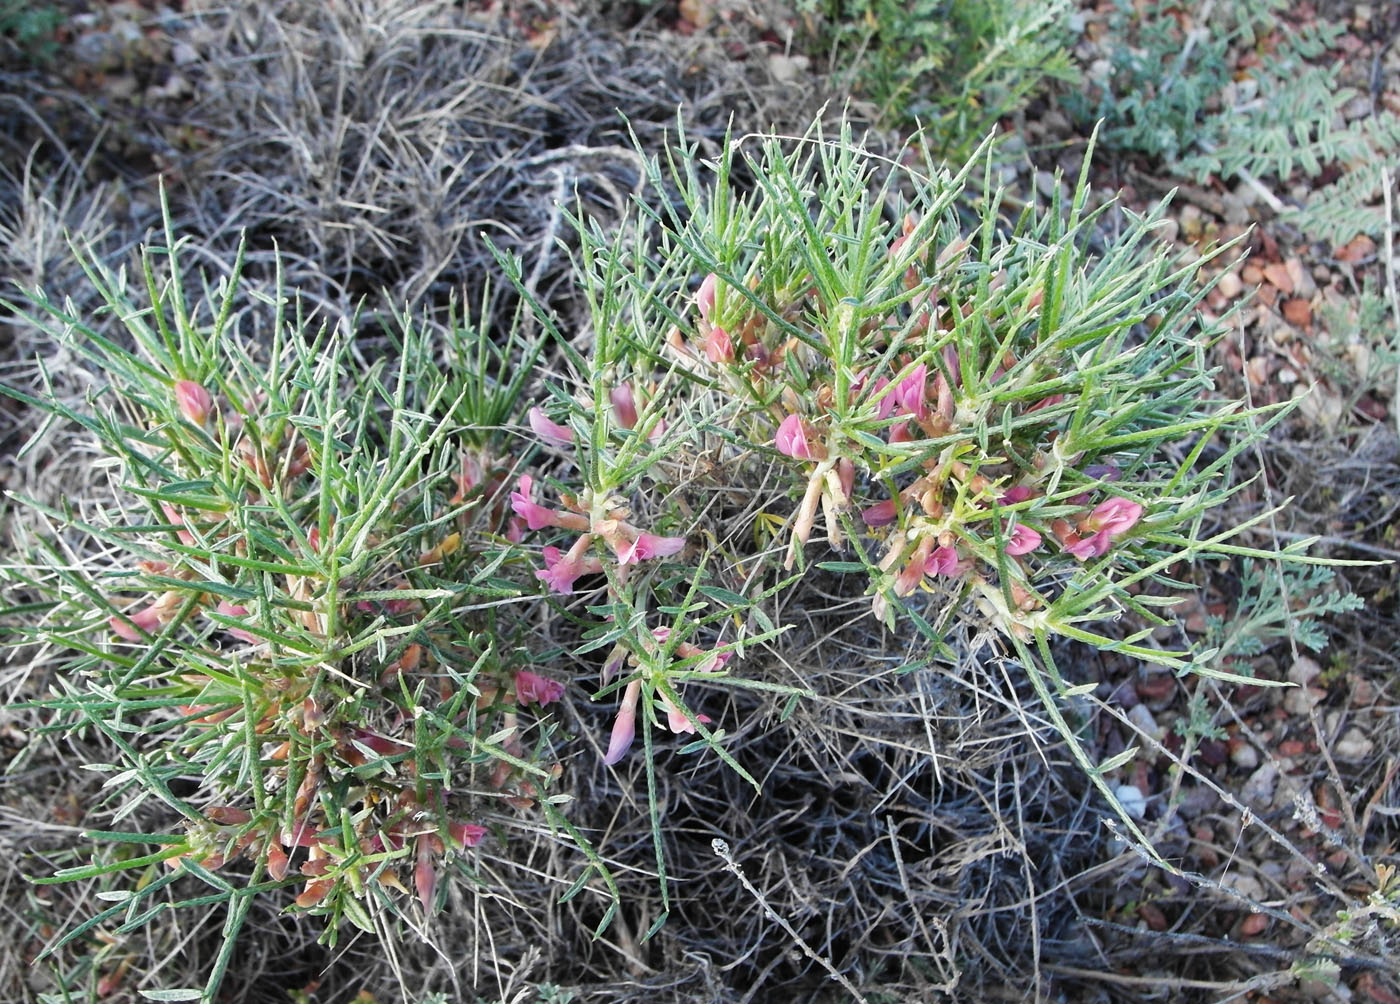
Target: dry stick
{"x":934,"y":954}
{"x":1030,"y":878}
{"x":1390,"y":287}
{"x":1263,"y":982}
{"x":721,"y":847}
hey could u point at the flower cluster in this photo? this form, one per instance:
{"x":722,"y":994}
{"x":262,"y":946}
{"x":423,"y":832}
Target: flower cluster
{"x":624,"y":728}
{"x":596,"y":518}
{"x":927,"y":406}
{"x":322,"y":750}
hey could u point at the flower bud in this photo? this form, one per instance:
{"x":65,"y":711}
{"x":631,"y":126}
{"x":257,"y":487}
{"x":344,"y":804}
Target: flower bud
{"x":194,"y":401}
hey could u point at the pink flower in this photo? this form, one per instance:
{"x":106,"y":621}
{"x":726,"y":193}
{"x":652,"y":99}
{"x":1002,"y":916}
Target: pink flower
{"x":647,"y":546}
{"x":910,"y":576}
{"x":531,"y":687}
{"x":173,"y":514}
{"x":943,"y":561}
{"x":536,"y":516}
{"x":912,"y":392}
{"x":227,"y":609}
{"x":1021,"y":540}
{"x":147,"y":619}
{"x":1116,"y":516}
{"x":466,"y":834}
{"x":560,"y":569}
{"x":1045,"y":402}
{"x":1090,"y":547}
{"x":846,"y":477}
{"x":792,"y":439}
{"x":553,"y":432}
{"x":624,"y":406}
{"x":425,"y":873}
{"x":884,"y":406}
{"x":1014,"y":494}
{"x":676,"y":719}
{"x":880,"y":514}
{"x":719,"y":347}
{"x":705,"y":296}
{"x":194,"y":401}
{"x":624,"y":728}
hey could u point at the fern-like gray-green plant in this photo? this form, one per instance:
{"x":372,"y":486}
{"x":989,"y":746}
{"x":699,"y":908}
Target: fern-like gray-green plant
{"x":1172,"y":94}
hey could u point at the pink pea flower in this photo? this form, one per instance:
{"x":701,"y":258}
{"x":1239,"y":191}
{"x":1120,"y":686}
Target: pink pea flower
{"x":884,"y":406}
{"x":792,"y":440}
{"x":880,"y":514}
{"x":560,"y":569}
{"x":676,"y":719}
{"x":227,"y":609}
{"x":912,"y":392}
{"x":466,"y":834}
{"x":1090,"y":547}
{"x":943,"y":397}
{"x":194,"y":401}
{"x":846,"y":477}
{"x":1014,"y":494}
{"x":1021,"y":540}
{"x":174,"y":516}
{"x":425,"y":873}
{"x":624,"y":728}
{"x":647,"y":546}
{"x":560,"y":435}
{"x":147,"y":619}
{"x":910,"y":576}
{"x":719,"y":347}
{"x":705,"y":296}
{"x":624,"y":406}
{"x":1045,"y":402}
{"x":536,"y":516}
{"x":531,"y":687}
{"x":943,"y":561}
{"x":953,"y":364}
{"x":1115,"y":516}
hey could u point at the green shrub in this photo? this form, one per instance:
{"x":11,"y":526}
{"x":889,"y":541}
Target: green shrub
{"x":319,"y":597}
{"x":1174,"y":94}
{"x":952,"y":67}
{"x":30,"y":27}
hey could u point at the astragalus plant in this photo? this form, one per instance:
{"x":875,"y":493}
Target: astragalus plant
{"x":295,"y":627}
{"x":342,"y":594}
{"x":859,"y":372}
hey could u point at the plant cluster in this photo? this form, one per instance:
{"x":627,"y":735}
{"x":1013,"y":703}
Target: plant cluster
{"x":952,"y":68}
{"x":301,"y":606}
{"x":30,"y":28}
{"x":1230,"y":91}
{"x":322,"y":605}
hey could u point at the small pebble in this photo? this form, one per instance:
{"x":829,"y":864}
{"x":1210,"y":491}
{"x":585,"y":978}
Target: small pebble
{"x":1243,"y":754}
{"x":1247,"y":886}
{"x":1353,"y":745}
{"x":1253,"y":925}
{"x":1141,"y":717}
{"x":1300,"y":700}
{"x":1304,"y":671}
{"x":1134,"y":801}
{"x":1230,"y":285}
{"x":1258,"y":790}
